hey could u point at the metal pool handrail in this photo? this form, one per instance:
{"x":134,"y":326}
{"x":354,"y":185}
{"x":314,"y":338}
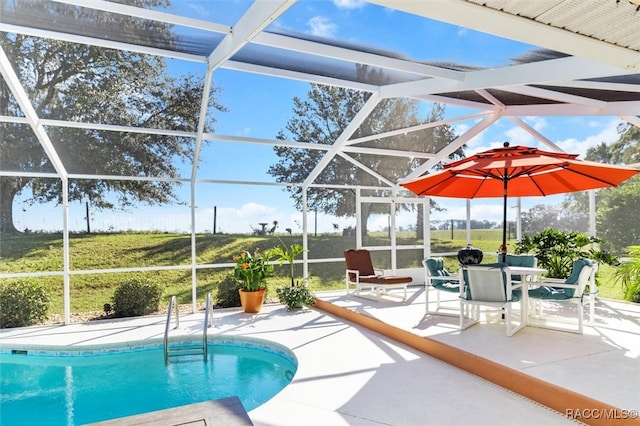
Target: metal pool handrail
{"x":208,"y":322}
{"x":188,"y":349}
{"x":166,"y":327}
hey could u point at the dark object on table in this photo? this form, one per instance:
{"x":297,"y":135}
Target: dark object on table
{"x":470,"y":256}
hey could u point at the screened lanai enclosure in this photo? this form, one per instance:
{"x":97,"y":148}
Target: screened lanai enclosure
{"x":287,"y":119}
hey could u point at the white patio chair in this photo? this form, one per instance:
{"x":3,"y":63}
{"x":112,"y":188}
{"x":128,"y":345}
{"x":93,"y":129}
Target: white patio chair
{"x":438,"y":279}
{"x":579,"y":289}
{"x":492,"y":287}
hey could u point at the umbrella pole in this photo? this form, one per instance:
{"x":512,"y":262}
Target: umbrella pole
{"x":503,"y":247}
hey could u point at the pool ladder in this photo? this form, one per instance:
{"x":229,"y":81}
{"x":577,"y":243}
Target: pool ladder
{"x":192,"y":349}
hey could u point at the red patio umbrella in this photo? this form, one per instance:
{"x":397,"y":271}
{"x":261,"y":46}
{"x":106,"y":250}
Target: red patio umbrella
{"x":517,"y":171}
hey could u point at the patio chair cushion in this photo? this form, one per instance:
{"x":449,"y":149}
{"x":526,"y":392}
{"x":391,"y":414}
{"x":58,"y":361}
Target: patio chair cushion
{"x":359,"y":260}
{"x":577,"y":268}
{"x":437,"y":269}
{"x":450,"y":286}
{"x":527,"y":260}
{"x":575,"y":274}
{"x":516,"y":295}
{"x":550,"y":293}
{"x":557,"y":293}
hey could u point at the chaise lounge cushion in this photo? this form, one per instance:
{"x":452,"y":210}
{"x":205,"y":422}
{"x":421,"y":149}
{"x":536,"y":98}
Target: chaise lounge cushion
{"x":359,"y":260}
{"x":384,"y":279}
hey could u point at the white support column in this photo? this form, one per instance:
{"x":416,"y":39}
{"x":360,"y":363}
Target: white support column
{"x":358,"y":218}
{"x":305,"y":235}
{"x":468,"y":221}
{"x":426,"y":226}
{"x":519,"y":219}
{"x":194,"y":283}
{"x":392,"y":233}
{"x":592,"y":213}
{"x":65,"y":251}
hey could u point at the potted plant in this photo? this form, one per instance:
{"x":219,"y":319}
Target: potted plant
{"x":251,"y":271}
{"x":297,"y":294}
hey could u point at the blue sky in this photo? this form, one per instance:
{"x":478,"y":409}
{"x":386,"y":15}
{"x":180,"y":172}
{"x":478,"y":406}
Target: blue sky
{"x":259,"y":106}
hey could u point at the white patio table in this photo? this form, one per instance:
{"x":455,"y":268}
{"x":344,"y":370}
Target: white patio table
{"x":526,"y":271}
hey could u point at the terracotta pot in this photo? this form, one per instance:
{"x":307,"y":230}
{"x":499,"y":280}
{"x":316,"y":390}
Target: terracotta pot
{"x":251,"y":300}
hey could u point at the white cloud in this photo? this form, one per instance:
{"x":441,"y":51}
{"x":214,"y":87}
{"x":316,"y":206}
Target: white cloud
{"x":348,"y":4}
{"x":250,"y":215}
{"x":322,"y":26}
{"x":490,"y":210}
{"x":245,"y":218}
{"x":538,"y":123}
{"x":515,"y":135}
{"x":474,"y":144}
{"x":608,"y":134}
{"x":378,"y":223}
{"x":252,"y":209}
{"x":246,"y":131}
{"x":198,"y":9}
{"x":594,"y":124}
{"x":460,"y":128}
{"x":518,"y":136}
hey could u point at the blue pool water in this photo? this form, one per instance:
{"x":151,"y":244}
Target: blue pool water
{"x":75,"y":389}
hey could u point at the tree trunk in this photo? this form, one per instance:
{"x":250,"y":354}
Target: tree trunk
{"x":366,"y":212}
{"x":419,"y":223}
{"x":8,"y":191}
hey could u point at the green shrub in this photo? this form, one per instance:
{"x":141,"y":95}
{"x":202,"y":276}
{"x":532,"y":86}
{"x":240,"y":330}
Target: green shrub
{"x":23,"y":303}
{"x":633,"y":295}
{"x":136,"y":297}
{"x":628,"y":273}
{"x":228,"y":296}
{"x":556,"y":251}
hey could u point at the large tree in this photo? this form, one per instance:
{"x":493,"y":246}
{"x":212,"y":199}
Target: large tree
{"x":542,"y":216}
{"x":323,"y":116}
{"x":617,"y":216}
{"x":617,"y":208}
{"x":82,"y":83}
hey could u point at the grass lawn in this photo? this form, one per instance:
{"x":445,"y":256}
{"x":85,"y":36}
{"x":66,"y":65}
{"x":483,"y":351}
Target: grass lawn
{"x":91,"y":290}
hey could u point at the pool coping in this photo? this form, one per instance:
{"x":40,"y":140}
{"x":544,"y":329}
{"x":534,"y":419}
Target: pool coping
{"x":149,"y":344}
{"x":225,"y":411}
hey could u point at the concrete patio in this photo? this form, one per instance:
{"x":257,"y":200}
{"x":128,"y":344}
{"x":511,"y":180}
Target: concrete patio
{"x":349,"y":375}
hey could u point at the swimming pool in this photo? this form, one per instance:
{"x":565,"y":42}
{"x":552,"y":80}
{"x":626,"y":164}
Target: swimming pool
{"x":69,"y":387}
